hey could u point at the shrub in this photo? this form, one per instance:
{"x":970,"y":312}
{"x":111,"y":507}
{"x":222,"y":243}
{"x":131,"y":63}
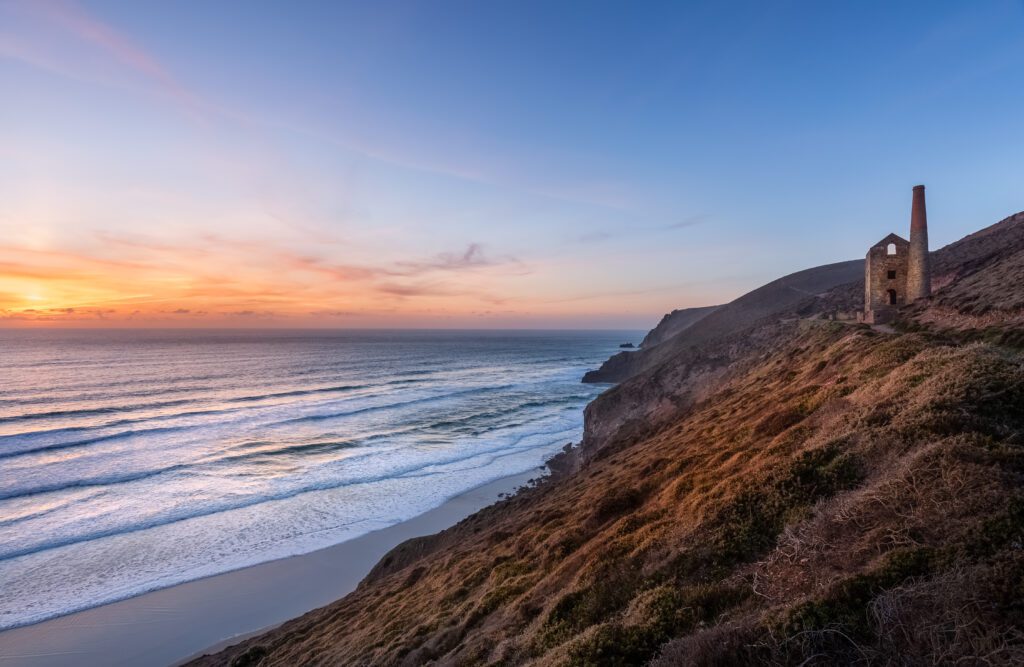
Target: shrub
{"x":250,"y":657}
{"x":608,"y":589}
{"x":669,"y":613}
{"x":750,"y":524}
{"x":999,"y":532}
{"x":845,"y":606}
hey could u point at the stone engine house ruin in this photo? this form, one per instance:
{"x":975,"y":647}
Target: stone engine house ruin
{"x":897,"y":271}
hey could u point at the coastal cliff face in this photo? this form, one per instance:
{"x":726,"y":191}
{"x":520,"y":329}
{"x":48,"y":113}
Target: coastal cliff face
{"x":982,"y":276}
{"x":796,"y":491}
{"x":626,"y":364}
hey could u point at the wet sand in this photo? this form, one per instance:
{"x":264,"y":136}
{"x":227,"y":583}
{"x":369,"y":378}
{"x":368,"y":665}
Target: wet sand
{"x":169,"y":626}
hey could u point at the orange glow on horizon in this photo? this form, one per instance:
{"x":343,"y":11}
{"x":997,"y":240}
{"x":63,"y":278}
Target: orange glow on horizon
{"x":217,"y":283}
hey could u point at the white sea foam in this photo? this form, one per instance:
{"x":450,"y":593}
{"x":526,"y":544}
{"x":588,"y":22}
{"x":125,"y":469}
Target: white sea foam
{"x":119,"y":483}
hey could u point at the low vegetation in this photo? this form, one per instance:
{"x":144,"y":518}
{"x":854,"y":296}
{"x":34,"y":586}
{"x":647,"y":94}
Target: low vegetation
{"x":829,"y":494}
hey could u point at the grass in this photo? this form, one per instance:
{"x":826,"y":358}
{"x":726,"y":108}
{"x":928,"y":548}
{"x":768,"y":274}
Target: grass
{"x":668,"y":612}
{"x":845,"y":607}
{"x":858,"y":509}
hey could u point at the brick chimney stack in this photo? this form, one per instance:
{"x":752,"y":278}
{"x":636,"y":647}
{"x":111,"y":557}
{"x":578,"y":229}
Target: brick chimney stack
{"x":919,"y":273}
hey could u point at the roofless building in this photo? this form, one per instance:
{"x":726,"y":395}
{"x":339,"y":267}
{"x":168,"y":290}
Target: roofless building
{"x":897,"y":271}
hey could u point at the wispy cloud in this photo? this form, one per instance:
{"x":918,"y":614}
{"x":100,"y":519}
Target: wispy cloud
{"x":68,"y":22}
{"x":473,"y":257}
{"x":599,"y":235}
{"x":71,"y":27}
{"x":247,"y":279}
{"x":78,"y":22}
{"x":335,"y":267}
{"x":685,"y":223}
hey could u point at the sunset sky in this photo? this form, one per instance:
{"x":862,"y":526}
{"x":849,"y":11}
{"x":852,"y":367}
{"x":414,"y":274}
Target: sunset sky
{"x":481,"y":164}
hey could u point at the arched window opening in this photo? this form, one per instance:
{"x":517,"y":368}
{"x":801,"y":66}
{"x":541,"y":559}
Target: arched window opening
{"x":892,"y":297}
{"x":891,"y":249}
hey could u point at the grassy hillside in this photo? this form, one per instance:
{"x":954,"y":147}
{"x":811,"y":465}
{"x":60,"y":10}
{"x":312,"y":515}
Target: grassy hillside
{"x":675,"y":322}
{"x":771,"y":299}
{"x":803,"y":492}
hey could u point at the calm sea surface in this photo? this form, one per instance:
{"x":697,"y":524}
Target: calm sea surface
{"x":131,"y":461}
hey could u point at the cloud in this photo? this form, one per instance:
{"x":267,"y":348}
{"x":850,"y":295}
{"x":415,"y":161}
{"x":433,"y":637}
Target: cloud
{"x":55,"y":314}
{"x":26,"y":270}
{"x":337,"y":271}
{"x":685,"y":223}
{"x":169,"y":280}
{"x":253,"y":314}
{"x":607,"y":294}
{"x":72,"y":23}
{"x":71,"y":26}
{"x":600,"y":235}
{"x":473,"y":257}
{"x":470,"y":174}
{"x":335,"y":313}
{"x":415,"y":290}
{"x":146,"y":243}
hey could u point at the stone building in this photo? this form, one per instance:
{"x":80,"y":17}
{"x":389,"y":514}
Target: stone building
{"x":897,"y":271}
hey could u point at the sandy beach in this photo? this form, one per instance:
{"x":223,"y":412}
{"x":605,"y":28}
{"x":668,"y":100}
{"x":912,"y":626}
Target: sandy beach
{"x":169,"y":626}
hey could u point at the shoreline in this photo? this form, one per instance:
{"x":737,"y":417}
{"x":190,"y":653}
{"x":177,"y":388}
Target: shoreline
{"x":172,"y":625}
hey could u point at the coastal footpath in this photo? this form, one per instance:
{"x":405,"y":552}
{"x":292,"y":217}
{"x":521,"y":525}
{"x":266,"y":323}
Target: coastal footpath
{"x":772,"y":483}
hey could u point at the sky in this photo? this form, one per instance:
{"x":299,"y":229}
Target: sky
{"x":506,"y":164}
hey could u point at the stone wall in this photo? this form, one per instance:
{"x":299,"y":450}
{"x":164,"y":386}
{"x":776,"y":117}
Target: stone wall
{"x":884,"y":272}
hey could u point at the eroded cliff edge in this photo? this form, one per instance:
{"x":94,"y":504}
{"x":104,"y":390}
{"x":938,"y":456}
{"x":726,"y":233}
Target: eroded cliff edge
{"x":799,"y":490}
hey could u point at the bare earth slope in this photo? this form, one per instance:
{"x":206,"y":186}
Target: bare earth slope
{"x":801,"y":492}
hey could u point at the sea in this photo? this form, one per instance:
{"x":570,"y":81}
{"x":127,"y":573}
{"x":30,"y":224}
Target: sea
{"x":136,"y":460}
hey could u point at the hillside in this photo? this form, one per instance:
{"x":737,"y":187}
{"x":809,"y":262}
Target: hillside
{"x":764,"y":301}
{"x":675,"y":322}
{"x":797,"y":491}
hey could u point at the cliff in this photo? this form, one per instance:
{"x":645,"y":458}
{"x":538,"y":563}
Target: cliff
{"x":767,"y":300}
{"x":793,"y":491}
{"x":675,"y":322}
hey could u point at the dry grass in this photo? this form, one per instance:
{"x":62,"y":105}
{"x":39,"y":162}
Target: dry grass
{"x":800,"y":512}
{"x":804,"y":492}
